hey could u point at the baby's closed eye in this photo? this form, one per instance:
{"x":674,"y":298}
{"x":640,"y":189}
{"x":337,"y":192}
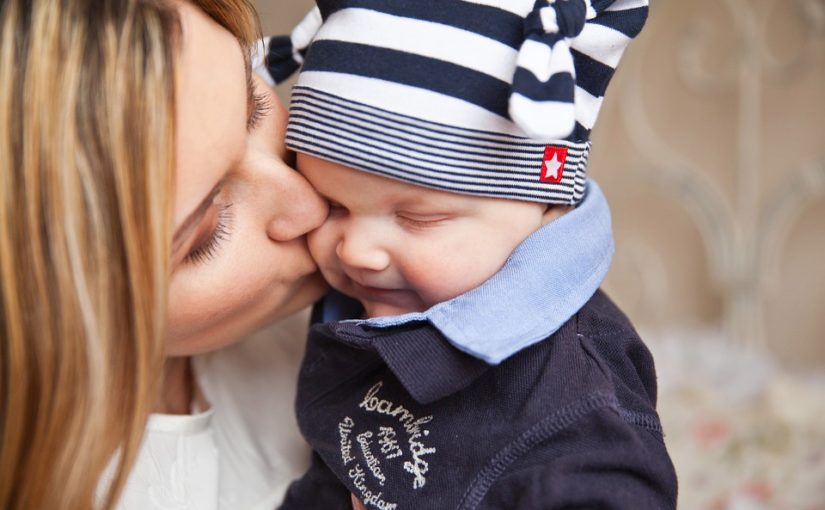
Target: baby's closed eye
{"x":422,"y":220}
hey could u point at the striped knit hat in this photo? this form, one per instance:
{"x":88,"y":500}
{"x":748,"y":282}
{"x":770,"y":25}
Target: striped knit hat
{"x":486,"y":97}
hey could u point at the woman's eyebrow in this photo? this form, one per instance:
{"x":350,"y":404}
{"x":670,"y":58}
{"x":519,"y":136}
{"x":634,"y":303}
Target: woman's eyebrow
{"x":250,"y":90}
{"x":191,"y":221}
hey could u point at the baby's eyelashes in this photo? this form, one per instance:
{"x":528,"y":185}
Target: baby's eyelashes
{"x":407,"y":219}
{"x":421,"y":221}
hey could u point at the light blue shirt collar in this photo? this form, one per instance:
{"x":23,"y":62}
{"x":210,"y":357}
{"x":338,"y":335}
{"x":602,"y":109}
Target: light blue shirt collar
{"x":543,"y":283}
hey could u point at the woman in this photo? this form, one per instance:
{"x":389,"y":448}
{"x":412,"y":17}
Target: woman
{"x":145,"y":215}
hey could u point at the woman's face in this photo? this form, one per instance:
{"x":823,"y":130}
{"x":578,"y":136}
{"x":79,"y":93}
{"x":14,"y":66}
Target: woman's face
{"x":240,"y":259}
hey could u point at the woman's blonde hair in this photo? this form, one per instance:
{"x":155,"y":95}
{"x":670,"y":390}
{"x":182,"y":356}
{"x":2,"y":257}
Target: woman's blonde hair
{"x":86,"y":184}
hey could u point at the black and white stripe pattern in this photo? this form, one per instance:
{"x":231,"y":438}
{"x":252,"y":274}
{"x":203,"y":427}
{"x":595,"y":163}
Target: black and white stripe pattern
{"x":451,"y":94}
{"x":283,"y":55}
{"x":427,"y":153}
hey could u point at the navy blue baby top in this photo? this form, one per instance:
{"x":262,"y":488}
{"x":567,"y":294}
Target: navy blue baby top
{"x":404,"y":420}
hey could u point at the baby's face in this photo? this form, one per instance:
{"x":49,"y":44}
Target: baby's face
{"x":400,"y":248}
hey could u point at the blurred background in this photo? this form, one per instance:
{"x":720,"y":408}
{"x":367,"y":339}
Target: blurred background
{"x":711,"y":151}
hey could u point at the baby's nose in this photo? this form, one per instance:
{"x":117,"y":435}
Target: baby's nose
{"x":362,"y":250}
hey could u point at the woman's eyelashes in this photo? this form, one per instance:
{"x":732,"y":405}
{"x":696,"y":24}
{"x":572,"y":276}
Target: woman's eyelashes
{"x":261,"y":106}
{"x":205,"y":250}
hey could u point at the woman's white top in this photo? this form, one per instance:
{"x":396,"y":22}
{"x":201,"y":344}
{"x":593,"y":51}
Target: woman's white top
{"x":243,"y":452}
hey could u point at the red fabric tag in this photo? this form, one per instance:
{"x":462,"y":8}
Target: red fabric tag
{"x":552,"y":165}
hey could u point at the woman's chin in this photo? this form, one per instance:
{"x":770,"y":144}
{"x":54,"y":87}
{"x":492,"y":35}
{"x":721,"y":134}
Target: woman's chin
{"x":309,"y":289}
{"x":234,"y":321}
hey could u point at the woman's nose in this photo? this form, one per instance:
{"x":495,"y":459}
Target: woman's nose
{"x":298,"y":208}
{"x":360,"y":248}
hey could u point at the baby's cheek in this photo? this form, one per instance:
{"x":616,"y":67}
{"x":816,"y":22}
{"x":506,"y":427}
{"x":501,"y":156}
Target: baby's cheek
{"x":442,"y":276}
{"x":461,"y":267}
{"x":321,"y":245}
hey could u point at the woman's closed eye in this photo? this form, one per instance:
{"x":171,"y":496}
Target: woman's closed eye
{"x":206,"y":246}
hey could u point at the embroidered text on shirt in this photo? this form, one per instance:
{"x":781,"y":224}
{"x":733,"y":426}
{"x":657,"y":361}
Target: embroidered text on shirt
{"x":418,"y":467}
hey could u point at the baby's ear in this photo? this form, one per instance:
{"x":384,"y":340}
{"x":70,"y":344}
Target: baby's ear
{"x":555,"y":211}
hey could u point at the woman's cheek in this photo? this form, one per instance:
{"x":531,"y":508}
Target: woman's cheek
{"x":200,"y":296}
{"x":231,"y":287}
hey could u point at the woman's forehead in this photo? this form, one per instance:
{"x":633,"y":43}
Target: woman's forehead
{"x":211,"y":107}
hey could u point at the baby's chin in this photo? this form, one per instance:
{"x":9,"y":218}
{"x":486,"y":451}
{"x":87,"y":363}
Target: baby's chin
{"x":382,"y":310}
{"x":385,"y":310}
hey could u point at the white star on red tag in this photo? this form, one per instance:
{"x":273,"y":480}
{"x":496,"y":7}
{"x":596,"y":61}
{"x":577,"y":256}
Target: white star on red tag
{"x":552,"y":165}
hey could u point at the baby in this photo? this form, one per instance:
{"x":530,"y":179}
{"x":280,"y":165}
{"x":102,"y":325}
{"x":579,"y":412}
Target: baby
{"x":468,"y":359}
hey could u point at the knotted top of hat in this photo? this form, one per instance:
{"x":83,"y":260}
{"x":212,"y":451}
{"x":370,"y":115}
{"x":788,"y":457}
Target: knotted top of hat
{"x":489,"y":97}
